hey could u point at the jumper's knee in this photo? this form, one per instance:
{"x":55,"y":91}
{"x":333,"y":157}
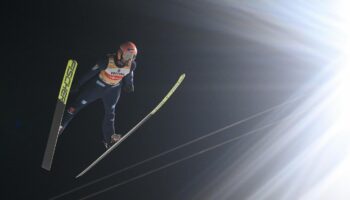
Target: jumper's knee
{"x":68,"y":116}
{"x":109,"y":118}
{"x":71,"y":110}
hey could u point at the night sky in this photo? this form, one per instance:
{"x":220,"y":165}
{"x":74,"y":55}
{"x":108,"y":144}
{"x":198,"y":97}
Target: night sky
{"x":228,"y":78}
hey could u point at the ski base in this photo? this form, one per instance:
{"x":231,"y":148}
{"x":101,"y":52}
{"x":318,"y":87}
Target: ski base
{"x":58,"y":114}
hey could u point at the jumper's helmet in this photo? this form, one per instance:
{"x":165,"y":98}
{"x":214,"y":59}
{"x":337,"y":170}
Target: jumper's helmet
{"x":127,"y":51}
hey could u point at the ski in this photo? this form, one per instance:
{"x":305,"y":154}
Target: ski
{"x":172,"y":90}
{"x":58,"y":114}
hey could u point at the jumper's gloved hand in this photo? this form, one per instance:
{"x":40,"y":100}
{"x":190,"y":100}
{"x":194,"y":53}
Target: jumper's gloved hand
{"x":128,"y":88}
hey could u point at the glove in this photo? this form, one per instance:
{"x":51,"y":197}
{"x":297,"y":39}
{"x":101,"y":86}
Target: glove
{"x":129,"y":88}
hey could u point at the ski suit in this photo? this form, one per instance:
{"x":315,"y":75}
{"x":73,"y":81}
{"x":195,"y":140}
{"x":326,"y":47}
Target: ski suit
{"x":104,"y":81}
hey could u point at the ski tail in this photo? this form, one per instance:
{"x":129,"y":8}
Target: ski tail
{"x":164,"y":100}
{"x":59,"y":110}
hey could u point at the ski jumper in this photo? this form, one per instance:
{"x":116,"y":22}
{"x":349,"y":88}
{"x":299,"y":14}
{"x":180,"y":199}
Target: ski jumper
{"x":104,"y":81}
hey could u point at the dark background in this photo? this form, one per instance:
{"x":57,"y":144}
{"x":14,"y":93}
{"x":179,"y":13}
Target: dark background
{"x":228,"y":78}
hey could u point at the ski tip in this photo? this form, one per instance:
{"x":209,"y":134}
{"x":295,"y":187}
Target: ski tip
{"x":72,"y":60}
{"x":182,"y":77}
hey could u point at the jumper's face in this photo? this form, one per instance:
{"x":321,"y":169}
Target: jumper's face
{"x":124,"y":58}
{"x":127,"y":56}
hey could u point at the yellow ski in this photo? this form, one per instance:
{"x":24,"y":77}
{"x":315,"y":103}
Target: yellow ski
{"x":60,"y":107}
{"x":179,"y":81}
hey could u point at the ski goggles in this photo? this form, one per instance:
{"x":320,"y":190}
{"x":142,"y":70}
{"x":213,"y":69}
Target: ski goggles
{"x":128,"y":56}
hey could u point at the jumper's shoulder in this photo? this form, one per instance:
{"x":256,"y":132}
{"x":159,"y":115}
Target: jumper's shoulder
{"x":103,"y":62}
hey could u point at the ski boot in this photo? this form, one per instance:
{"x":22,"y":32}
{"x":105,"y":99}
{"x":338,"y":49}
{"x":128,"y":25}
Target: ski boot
{"x":114,"y":139}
